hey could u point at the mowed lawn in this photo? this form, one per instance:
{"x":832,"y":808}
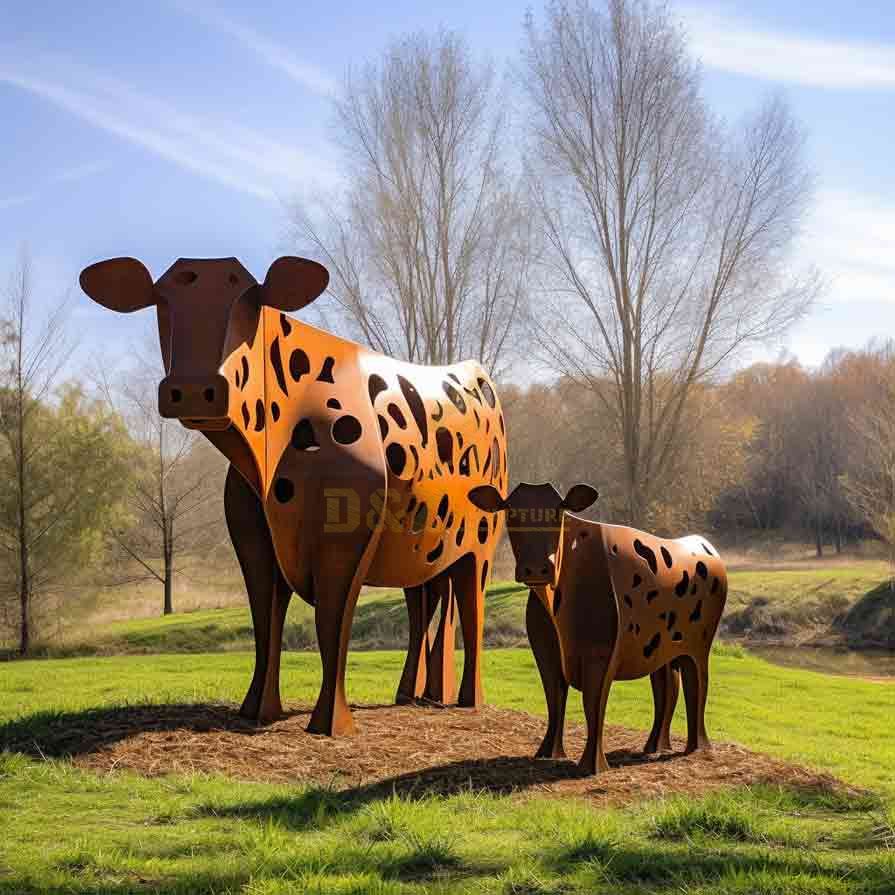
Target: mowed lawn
{"x":67,"y":830}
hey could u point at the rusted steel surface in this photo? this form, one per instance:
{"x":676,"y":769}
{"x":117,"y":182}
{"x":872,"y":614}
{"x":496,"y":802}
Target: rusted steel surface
{"x":608,"y":602}
{"x":347,"y":467}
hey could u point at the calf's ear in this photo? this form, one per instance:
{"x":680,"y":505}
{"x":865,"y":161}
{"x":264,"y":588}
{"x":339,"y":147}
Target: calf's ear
{"x":487,"y":498}
{"x":120,"y":284}
{"x":292,"y":283}
{"x":579,"y":497}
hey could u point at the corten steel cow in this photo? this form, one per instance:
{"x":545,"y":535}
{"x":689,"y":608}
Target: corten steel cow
{"x":347,"y":467}
{"x":608,"y":603}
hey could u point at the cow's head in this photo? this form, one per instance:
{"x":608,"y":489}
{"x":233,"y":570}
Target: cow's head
{"x":208,"y":309}
{"x":534,"y":521}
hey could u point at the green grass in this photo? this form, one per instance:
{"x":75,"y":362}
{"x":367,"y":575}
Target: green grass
{"x":771,"y":601}
{"x":380,"y":622}
{"x":72,"y":831}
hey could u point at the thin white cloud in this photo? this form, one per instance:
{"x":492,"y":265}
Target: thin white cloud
{"x":66,"y":175}
{"x":231,"y":155}
{"x":851,"y":238}
{"x":725,"y":40}
{"x":272,"y":53}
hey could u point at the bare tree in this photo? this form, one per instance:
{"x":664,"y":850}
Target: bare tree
{"x":668,"y":234}
{"x":430,"y":247}
{"x":172,"y":514}
{"x":62,"y":458}
{"x":870,"y":484}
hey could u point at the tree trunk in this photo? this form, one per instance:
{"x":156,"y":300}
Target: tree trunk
{"x":24,"y":626}
{"x":169,"y":587}
{"x":818,"y":537}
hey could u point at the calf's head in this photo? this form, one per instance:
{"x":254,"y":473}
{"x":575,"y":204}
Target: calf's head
{"x":208,"y":310}
{"x":534,"y":522}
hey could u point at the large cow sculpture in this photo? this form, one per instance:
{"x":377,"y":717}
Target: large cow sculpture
{"x":347,"y":467}
{"x":608,"y":603}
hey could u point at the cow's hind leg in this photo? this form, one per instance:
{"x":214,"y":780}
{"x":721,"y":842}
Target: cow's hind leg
{"x":695,"y":680}
{"x":267,"y":591}
{"x":469,"y":589}
{"x":665,"y":684}
{"x":420,"y":609}
{"x":441,"y":675}
{"x":545,"y":645}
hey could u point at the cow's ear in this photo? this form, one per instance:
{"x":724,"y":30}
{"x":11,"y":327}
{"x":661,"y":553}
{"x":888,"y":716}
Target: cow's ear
{"x":120,"y":284}
{"x":487,"y":498}
{"x":292,"y":283}
{"x":579,"y":497}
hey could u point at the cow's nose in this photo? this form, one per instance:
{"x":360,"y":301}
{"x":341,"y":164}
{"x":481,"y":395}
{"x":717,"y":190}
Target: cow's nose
{"x":196,"y":398}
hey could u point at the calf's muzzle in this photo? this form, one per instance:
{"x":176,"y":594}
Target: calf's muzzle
{"x":534,"y":573}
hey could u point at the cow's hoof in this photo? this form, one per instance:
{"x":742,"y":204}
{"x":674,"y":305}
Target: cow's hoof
{"x":589,"y":767}
{"x":339,"y":723}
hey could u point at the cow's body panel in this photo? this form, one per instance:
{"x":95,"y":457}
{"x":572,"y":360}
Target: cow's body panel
{"x":411,"y":451}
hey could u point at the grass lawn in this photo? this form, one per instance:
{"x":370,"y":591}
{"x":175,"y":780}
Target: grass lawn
{"x":67,"y":830}
{"x":799,"y":597}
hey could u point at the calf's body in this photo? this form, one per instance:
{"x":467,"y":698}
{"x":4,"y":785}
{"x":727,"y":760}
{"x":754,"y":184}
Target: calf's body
{"x":626,"y":605}
{"x":608,"y":602}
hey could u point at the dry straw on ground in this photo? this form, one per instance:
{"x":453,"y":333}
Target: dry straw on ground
{"x":406,"y":749}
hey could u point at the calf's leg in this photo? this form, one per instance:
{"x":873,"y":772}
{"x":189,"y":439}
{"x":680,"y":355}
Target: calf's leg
{"x":545,"y":645}
{"x":665,"y":685}
{"x":596,"y":679}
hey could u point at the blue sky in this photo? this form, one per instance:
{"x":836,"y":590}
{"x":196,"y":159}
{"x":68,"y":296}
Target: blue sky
{"x":185,"y":129}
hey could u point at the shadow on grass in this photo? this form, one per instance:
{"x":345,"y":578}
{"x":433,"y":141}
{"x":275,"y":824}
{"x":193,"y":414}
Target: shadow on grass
{"x":71,"y":734}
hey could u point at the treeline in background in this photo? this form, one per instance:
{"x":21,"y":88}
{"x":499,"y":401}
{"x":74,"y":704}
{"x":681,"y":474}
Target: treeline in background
{"x":585,"y":225}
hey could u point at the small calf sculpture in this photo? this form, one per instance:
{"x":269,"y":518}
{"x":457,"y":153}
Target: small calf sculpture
{"x":608,"y":602}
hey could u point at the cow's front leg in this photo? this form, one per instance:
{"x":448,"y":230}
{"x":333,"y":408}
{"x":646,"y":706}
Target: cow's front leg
{"x":337,"y":583}
{"x":267,"y":591}
{"x":665,"y":685}
{"x":545,"y":645}
{"x":469,"y":589}
{"x":596,"y":679}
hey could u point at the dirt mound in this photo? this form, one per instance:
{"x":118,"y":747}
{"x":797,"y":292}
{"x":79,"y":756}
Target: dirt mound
{"x":407,"y":749}
{"x":871,"y":620}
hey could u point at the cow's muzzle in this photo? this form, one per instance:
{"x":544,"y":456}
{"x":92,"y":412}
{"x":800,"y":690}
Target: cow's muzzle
{"x":200,"y":402}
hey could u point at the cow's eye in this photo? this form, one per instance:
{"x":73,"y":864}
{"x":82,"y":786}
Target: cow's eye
{"x":185,"y":277}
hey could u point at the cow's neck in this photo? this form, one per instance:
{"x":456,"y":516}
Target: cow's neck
{"x":253,"y":447}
